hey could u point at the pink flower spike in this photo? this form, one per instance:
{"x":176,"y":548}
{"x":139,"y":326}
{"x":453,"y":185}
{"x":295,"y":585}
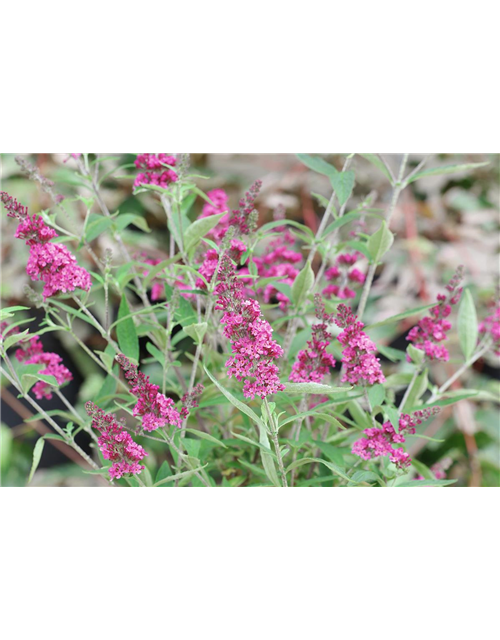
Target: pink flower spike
{"x":361,"y":365}
{"x":155,"y":409}
{"x":116,"y":444}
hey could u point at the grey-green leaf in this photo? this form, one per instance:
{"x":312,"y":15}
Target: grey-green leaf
{"x":439,"y":171}
{"x":343,"y":184}
{"x":468,"y":330}
{"x":313,"y":387}
{"x":302,"y":285}
{"x":380,"y":242}
{"x":37,"y":454}
{"x":317,"y":164}
{"x":198,"y":229}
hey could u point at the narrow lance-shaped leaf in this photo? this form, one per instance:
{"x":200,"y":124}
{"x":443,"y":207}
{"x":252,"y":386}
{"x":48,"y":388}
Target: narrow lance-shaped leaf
{"x":380,"y":242}
{"x":267,"y":459}
{"x":439,"y":171}
{"x":37,"y":454}
{"x":468,"y":330}
{"x":302,"y":285}
{"x":317,"y":164}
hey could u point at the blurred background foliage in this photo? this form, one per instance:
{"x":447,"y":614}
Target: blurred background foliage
{"x":440,"y":222}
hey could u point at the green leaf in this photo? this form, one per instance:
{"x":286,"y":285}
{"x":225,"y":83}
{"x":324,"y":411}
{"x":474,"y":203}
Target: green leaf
{"x":331,"y":452}
{"x":439,"y":171}
{"x":14,"y":339}
{"x":281,"y":223}
{"x":235,"y":402}
{"x":163,"y":472}
{"x":254,"y":443}
{"x":178,"y":476}
{"x":394,"y":355}
{"x":301,"y":388}
{"x":426,"y":483}
{"x":196,"y":331}
{"x":345,"y":219}
{"x":8,"y":312}
{"x":401,"y":316}
{"x":423,"y":470}
{"x":377,"y":162}
{"x":192,"y":446}
{"x":37,"y":454}
{"x":126,"y":333}
{"x":206,"y":436}
{"x":360,"y":416}
{"x":444,"y":402}
{"x":302,"y":285}
{"x":468,"y":330}
{"x":125,"y":219}
{"x":155,"y":270}
{"x":156,"y":353}
{"x":342,"y":183}
{"x":5,"y":446}
{"x":380,"y":242}
{"x":317,"y":164}
{"x":330,"y":465}
{"x":96,"y":226}
{"x":393,"y":415}
{"x":199,"y":228}
{"x":359,"y":477}
{"x":376,"y":394}
{"x":416,"y":355}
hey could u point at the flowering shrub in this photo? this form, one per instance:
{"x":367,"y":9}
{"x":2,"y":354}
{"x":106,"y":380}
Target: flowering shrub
{"x":224,"y":348}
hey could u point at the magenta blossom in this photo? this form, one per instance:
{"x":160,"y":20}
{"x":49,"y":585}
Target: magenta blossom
{"x":379,"y":441}
{"x":32,"y":352}
{"x":155,"y":409}
{"x":52,"y":263}
{"x":155,"y":171}
{"x":341,"y":275}
{"x":314,"y":363}
{"x":361,"y":365}
{"x":116,"y":444}
{"x":491,"y":326}
{"x":254,"y":350}
{"x":432,"y":329}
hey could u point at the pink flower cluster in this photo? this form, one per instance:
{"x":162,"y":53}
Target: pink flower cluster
{"x":52,"y":263}
{"x":209,"y":265}
{"x":379,"y":441}
{"x":155,"y":171}
{"x":254,"y":350}
{"x":491,"y":325}
{"x":191,"y":400}
{"x":219,"y":198}
{"x":115,"y":443}
{"x":313,"y":363}
{"x":31,"y":352}
{"x":245,"y":217}
{"x":358,"y":357}
{"x":431,"y":330}
{"x":278,"y":261}
{"x":341,"y":274}
{"x":155,"y":409}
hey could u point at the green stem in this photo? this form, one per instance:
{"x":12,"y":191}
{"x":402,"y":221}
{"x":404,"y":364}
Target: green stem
{"x":409,"y":388}
{"x":480,"y":352}
{"x":274,"y":437}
